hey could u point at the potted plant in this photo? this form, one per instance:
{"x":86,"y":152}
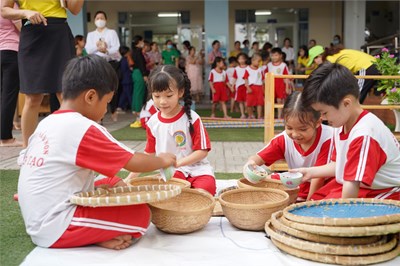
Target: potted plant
{"x":387,"y":65}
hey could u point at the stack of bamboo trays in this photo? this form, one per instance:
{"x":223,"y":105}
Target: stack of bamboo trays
{"x":338,"y":231}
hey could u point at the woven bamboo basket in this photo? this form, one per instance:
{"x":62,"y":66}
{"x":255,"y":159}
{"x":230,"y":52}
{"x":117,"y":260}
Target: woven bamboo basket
{"x":120,"y":196}
{"x":344,"y":231}
{"x":385,"y":245}
{"x":156,"y":180}
{"x":345,"y":212}
{"x":337,"y":259}
{"x":275,"y":184}
{"x":188,"y":212}
{"x":250,"y":208}
{"x":276,"y":222}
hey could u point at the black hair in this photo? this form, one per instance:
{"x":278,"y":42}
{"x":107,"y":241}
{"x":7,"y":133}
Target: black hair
{"x":305,"y":49}
{"x":276,"y":50}
{"x":186,"y":44}
{"x":267,"y":46}
{"x":215,"y":42}
{"x":329,"y":84}
{"x":152,"y":43}
{"x":287,"y":39}
{"x":246,"y":57}
{"x":167,"y":41}
{"x":255,"y":43}
{"x":161,"y":79}
{"x":232,"y":59}
{"x":136,"y":39}
{"x":123,"y":50}
{"x":294,"y":107}
{"x":237,"y":42}
{"x":100,"y":12}
{"x":82,"y":74}
{"x":216,"y":61}
{"x":78,"y":38}
{"x":246,"y":42}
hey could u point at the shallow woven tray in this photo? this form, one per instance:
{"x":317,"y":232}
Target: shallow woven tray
{"x":188,"y":212}
{"x":156,"y":180}
{"x":277,"y":223}
{"x":384,"y":245}
{"x":275,"y":184}
{"x":250,"y":208}
{"x":344,"y":231}
{"x":120,"y":196}
{"x":337,"y":259}
{"x":345,"y":212}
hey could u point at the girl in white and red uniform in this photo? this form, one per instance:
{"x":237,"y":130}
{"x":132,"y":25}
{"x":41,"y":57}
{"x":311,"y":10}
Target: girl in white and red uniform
{"x":304,"y":143}
{"x":254,"y":80}
{"x":178,"y":129}
{"x":240,"y":95}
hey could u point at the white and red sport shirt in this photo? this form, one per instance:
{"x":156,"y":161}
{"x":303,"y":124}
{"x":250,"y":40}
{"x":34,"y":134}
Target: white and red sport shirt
{"x":369,"y":153}
{"x":280,"y":69}
{"x":217,"y":77}
{"x":238,"y":74}
{"x":62,"y":155}
{"x":172,"y":135}
{"x":282,"y":147}
{"x":229,"y":73}
{"x":255,"y":76}
{"x":148,"y":110}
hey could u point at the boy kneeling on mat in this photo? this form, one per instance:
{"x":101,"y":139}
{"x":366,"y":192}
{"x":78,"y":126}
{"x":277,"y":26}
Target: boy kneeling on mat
{"x":366,"y":157}
{"x":62,"y":155}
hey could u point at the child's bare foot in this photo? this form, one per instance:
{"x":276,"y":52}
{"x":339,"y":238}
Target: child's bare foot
{"x":117,"y":243}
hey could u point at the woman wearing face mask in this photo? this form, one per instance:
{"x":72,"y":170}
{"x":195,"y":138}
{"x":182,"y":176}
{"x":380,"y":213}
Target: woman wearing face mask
{"x":104,"y":42}
{"x":139,"y":77}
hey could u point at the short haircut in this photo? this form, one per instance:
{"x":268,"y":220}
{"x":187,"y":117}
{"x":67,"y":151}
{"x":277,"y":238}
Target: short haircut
{"x":136,"y":39}
{"x":78,"y":38}
{"x":294,"y":107}
{"x":100,"y":12}
{"x":276,"y":50}
{"x":232,"y":59}
{"x":329,"y":84}
{"x":88,"y":72}
{"x":123,"y":50}
{"x":216,"y":61}
{"x":215,"y":42}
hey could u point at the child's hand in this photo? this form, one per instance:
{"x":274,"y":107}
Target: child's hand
{"x":305,"y":171}
{"x":213,"y":91}
{"x":249,"y":90}
{"x":168,"y":159}
{"x":288,"y":91}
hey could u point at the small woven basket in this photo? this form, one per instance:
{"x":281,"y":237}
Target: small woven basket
{"x":156,"y":180}
{"x":188,"y":212}
{"x":250,"y":208}
{"x":275,"y":184}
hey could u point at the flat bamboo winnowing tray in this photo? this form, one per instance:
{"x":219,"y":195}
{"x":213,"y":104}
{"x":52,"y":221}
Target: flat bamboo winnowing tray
{"x":345,"y":212}
{"x":121,"y":196}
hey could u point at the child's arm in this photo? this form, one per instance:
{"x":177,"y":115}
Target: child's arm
{"x":212,"y":87}
{"x":255,"y":160}
{"x":316,"y":171}
{"x":230,"y":86}
{"x":246,"y":83}
{"x":194,"y":157}
{"x":350,"y":189}
{"x":141,"y":162}
{"x":315,"y":184}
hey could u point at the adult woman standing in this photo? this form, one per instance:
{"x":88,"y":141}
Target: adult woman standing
{"x":215,"y":52}
{"x":9,"y":40}
{"x":139,"y":77}
{"x":46,"y":42}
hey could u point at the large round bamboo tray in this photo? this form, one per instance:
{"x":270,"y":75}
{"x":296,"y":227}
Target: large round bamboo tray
{"x":271,"y":183}
{"x":276,"y":222}
{"x":120,"y":196}
{"x":156,"y":180}
{"x":188,"y":212}
{"x":345,"y":212}
{"x":344,"y":231}
{"x":250,"y":208}
{"x":384,"y":245}
{"x":337,"y":259}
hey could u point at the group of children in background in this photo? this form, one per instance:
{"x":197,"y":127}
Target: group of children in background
{"x":349,"y":159}
{"x":242,"y":83}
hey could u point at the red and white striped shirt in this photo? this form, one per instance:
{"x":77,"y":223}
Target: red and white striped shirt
{"x":238,"y":75}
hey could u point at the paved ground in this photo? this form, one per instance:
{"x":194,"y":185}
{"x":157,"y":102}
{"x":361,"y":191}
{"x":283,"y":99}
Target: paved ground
{"x":228,"y":157}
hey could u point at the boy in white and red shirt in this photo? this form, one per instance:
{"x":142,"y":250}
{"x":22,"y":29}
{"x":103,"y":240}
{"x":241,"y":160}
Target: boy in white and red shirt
{"x":229,"y":72}
{"x":278,"y":67}
{"x":62,"y":155}
{"x":366,"y":155}
{"x":240,"y":87}
{"x":254,"y":80}
{"x":219,"y":82}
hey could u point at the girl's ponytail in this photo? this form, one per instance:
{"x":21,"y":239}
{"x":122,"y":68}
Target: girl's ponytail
{"x":187,"y":98}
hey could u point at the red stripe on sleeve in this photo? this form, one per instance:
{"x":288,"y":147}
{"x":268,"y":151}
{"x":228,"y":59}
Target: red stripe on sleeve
{"x":200,"y":138}
{"x":246,"y":74}
{"x":211,"y":77}
{"x":152,"y":110}
{"x":235,"y":74}
{"x":274,"y":151}
{"x":364,"y":158}
{"x":151,"y":142}
{"x":101,"y":153}
{"x":323,"y":156}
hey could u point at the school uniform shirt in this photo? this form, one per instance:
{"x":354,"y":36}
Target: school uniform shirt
{"x":172,"y":135}
{"x":62,"y":155}
{"x":238,"y":74}
{"x":278,"y":69}
{"x":110,"y":37}
{"x":255,"y":76}
{"x":283,"y":147}
{"x":229,"y":73}
{"x":369,"y":153}
{"x":148,"y":110}
{"x":218,"y":78}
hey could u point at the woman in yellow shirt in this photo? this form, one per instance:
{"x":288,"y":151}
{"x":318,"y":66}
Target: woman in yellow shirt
{"x":302,"y":62}
{"x":46,"y":44}
{"x":359,"y":63}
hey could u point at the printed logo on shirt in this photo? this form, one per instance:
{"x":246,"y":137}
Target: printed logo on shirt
{"x":180,"y":138}
{"x":278,"y":71}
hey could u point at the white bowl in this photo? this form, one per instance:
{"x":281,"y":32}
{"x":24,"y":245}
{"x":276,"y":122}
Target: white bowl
{"x":254,"y":173}
{"x":291,"y":180}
